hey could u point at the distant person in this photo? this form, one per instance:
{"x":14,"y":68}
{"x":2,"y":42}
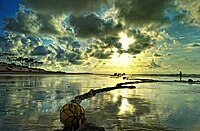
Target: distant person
{"x":180,"y":75}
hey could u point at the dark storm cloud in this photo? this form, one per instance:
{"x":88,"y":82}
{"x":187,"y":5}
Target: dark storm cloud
{"x":133,"y":11}
{"x":64,"y":6}
{"x":48,"y":19}
{"x":52,"y":25}
{"x":71,"y":56}
{"x":142,"y":42}
{"x":84,"y":26}
{"x":142,"y":11}
{"x":137,"y":48}
{"x":102,"y":54}
{"x":92,"y":25}
{"x":19,"y":44}
{"x":69,"y":42}
{"x":41,"y":51}
{"x":25,"y":22}
{"x":34,"y":24}
{"x":111,"y":42}
{"x":103,"y":48}
{"x":108,"y":42}
{"x":72,"y":53}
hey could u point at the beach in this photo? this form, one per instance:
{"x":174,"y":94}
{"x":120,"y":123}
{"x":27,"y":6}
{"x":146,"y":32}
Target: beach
{"x":33,"y":102}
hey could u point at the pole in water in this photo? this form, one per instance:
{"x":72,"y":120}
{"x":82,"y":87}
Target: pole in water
{"x":180,"y":75}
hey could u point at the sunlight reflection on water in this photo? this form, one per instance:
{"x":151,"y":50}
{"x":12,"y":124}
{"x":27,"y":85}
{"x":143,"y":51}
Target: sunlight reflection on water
{"x":32,"y":102}
{"x":125,"y":107}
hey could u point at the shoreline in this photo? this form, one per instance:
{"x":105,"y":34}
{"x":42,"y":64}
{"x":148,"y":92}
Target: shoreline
{"x":16,"y":69}
{"x":46,"y":73}
{"x":82,"y":73}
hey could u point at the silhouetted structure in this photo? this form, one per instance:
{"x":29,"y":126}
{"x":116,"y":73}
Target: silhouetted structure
{"x":190,"y":80}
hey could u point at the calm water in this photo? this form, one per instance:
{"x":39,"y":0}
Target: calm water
{"x":32,"y":102}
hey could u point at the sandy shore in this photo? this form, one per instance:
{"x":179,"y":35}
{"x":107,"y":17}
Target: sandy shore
{"x":15,"y":69}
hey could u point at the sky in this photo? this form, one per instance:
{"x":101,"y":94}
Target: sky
{"x":104,"y":36}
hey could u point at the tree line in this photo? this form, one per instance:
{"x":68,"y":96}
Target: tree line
{"x":10,"y":58}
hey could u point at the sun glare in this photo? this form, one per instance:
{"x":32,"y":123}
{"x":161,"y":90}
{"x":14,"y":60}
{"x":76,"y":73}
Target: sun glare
{"x":120,"y":97}
{"x":124,"y":59}
{"x":125,"y":40}
{"x":125,"y":107}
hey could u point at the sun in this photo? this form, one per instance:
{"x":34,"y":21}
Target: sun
{"x":125,"y":40}
{"x":124,"y":59}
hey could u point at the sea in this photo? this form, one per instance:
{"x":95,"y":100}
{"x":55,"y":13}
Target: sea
{"x":33,"y":102}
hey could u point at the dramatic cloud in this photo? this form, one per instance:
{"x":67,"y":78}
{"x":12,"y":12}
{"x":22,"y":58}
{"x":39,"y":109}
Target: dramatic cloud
{"x":70,"y":56}
{"x":92,"y":25}
{"x":135,"y":41}
{"x":189,"y":11}
{"x":25,"y":22}
{"x":22,"y":45}
{"x":34,"y":24}
{"x":31,"y":42}
{"x":19,"y":44}
{"x":98,"y":49}
{"x":102,"y":54}
{"x":52,"y":25}
{"x":41,"y":50}
{"x":142,"y":42}
{"x":64,"y":6}
{"x":111,"y":42}
{"x":70,"y":42}
{"x":153,"y":64}
{"x":102,"y":34}
{"x":139,"y":12}
{"x":6,"y":43}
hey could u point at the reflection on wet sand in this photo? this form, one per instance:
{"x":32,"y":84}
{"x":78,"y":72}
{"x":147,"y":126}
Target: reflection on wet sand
{"x":126,"y":107}
{"x":31,"y":102}
{"x":119,"y":110}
